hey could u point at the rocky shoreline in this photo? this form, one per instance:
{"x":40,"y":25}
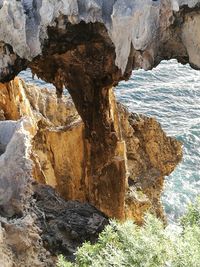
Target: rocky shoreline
{"x":89,"y":149}
{"x":44,"y":143}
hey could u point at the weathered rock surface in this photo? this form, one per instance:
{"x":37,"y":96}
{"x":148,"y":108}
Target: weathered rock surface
{"x":59,"y":151}
{"x":15,"y":167}
{"x":65,"y":225}
{"x":35,"y":223}
{"x":20,"y":243}
{"x":147,"y":30}
{"x":114,"y":160}
{"x":48,"y":226}
{"x":89,"y":46}
{"x":151,"y":155}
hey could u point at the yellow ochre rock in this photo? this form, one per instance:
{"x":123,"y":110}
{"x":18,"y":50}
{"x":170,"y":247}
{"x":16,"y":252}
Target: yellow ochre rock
{"x":60,"y":150}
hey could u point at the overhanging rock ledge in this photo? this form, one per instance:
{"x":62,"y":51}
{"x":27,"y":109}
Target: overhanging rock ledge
{"x":87,"y":46}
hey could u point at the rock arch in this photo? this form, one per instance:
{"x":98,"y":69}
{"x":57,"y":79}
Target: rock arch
{"x":89,"y":46}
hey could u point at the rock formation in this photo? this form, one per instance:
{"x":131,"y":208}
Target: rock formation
{"x":35,"y":223}
{"x":146,"y":31}
{"x":59,"y":150}
{"x":89,"y":46}
{"x":103,"y":155}
{"x":43,"y":141}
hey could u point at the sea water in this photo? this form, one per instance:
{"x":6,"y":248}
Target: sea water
{"x":171,"y":94}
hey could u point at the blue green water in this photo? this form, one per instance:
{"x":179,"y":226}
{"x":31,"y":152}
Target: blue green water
{"x":171,"y":93}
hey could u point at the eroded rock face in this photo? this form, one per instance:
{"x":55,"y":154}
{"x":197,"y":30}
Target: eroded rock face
{"x":67,"y":224}
{"x":26,"y":208}
{"x":43,"y":139}
{"x":151,"y":155}
{"x":89,"y":46}
{"x":60,"y":147}
{"x":20,"y":242}
{"x":146,"y":30}
{"x":15,"y":165}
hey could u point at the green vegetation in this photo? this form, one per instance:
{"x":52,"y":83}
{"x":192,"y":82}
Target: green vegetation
{"x":152,"y":245}
{"x":192,"y":216}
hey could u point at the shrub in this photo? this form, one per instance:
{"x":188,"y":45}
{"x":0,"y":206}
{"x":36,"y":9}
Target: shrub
{"x":126,"y":244}
{"x":192,"y":216}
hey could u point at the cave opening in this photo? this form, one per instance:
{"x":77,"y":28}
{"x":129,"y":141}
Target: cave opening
{"x":31,"y":78}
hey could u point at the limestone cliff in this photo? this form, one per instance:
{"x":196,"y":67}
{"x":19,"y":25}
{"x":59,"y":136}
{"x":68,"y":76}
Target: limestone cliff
{"x":89,"y":46}
{"x":94,"y":150}
{"x":147,"y":31}
{"x":33,"y":217}
{"x":59,"y":150}
{"x":43,"y":138}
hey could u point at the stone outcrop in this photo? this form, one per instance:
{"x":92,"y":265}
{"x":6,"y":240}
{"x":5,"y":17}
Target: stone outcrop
{"x":151,"y":155}
{"x":59,"y":151}
{"x":100,"y":153}
{"x":20,"y":243}
{"x":146,"y":30}
{"x":26,"y":208}
{"x":89,"y":46}
{"x":14,"y":165}
{"x":47,"y":227}
{"x":19,"y":235}
{"x":65,"y":225}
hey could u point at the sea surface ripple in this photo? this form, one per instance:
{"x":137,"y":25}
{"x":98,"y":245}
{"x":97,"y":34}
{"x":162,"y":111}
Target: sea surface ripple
{"x":171,"y":93}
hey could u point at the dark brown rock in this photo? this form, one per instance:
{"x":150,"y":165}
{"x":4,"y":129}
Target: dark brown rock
{"x":65,"y":225}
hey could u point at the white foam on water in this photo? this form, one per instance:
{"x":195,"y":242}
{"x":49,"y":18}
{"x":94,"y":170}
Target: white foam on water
{"x":171,"y":93}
